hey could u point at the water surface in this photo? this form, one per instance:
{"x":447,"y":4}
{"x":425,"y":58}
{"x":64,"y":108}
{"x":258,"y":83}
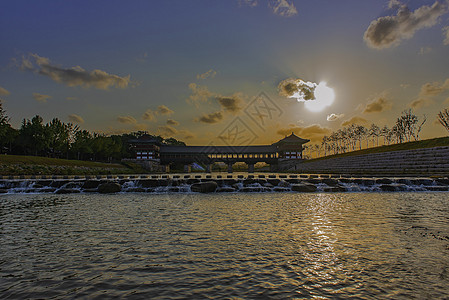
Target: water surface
{"x":262,"y":245}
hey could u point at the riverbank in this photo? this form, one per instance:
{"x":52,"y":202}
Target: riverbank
{"x":37,"y":165}
{"x":219,"y":183}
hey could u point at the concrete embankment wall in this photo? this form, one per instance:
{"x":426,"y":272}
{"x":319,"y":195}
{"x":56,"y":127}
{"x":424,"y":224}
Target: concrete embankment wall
{"x":419,"y":162}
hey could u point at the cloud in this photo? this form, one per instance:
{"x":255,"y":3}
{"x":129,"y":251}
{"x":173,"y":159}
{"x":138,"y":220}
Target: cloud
{"x":71,"y":98}
{"x":210,"y":118}
{"x":250,"y":3}
{"x":231,"y":104}
{"x":209,"y":74}
{"x":389,"y":31}
{"x":355,"y":120}
{"x":172,"y":122}
{"x":187,"y":134}
{"x":167,"y":130}
{"x":284,"y":8}
{"x":421,"y":102}
{"x":314,"y":132}
{"x":41,"y":98}
{"x":4,"y":92}
{"x":431,"y":89}
{"x":74,"y":76}
{"x":446,"y":35}
{"x":334,"y":117}
{"x":379,"y":104}
{"x":199,"y":94}
{"x":76,"y":119}
{"x":425,"y":50}
{"x":164,"y":110}
{"x":126,"y":120}
{"x":297,"y":88}
{"x":404,"y":85}
{"x":149,"y":115}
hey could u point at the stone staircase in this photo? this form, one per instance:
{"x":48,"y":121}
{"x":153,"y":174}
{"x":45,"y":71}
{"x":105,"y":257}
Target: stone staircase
{"x":419,"y":162}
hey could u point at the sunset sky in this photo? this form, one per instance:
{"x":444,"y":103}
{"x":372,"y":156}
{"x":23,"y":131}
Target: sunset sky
{"x":199,"y":69}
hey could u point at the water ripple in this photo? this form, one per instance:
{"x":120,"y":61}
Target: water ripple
{"x":277,"y":246}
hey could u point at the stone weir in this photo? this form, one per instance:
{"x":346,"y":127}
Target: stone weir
{"x":182,"y":183}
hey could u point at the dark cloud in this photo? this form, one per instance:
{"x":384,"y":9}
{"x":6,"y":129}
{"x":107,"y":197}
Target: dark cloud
{"x":379,"y":104}
{"x":126,"y":120}
{"x":164,"y":110}
{"x":355,"y":120}
{"x":209,"y":74}
{"x":76,"y":119}
{"x":210,"y":118}
{"x":172,"y":122}
{"x":231,"y":104}
{"x":4,"y":92}
{"x":297,"y":88}
{"x":284,"y":8}
{"x":313,"y":132}
{"x":75,"y":76}
{"x":334,"y":117}
{"x":41,"y":98}
{"x":389,"y":31}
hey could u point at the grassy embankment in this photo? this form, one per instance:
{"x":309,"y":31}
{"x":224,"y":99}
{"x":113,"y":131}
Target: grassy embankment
{"x":436,"y":142}
{"x":36,"y":165}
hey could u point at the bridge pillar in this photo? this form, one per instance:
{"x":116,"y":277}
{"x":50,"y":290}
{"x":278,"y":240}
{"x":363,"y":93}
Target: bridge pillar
{"x":209,"y":168}
{"x":250,"y":168}
{"x":187,"y":168}
{"x":166,"y":169}
{"x":229,"y":167}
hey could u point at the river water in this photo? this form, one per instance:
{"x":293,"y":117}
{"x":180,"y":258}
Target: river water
{"x":260,"y":245}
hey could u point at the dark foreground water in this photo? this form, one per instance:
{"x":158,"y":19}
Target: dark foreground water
{"x":357,"y":245}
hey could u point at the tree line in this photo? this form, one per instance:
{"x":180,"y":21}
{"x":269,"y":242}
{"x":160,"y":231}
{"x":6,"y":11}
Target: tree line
{"x":352,"y":137}
{"x":66,"y":140}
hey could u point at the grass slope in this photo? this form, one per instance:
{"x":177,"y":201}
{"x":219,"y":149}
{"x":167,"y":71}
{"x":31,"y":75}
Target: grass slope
{"x":436,"y":142}
{"x":47,"y":161}
{"x":36,"y":165}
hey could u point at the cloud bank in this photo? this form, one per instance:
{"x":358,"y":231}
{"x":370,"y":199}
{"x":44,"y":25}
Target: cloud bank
{"x":389,"y":31}
{"x":74,"y":76}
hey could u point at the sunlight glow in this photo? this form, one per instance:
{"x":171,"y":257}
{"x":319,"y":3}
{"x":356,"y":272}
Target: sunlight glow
{"x":324,"y":96}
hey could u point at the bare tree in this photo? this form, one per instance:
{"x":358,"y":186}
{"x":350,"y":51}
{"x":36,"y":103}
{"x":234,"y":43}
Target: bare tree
{"x":443,"y":118}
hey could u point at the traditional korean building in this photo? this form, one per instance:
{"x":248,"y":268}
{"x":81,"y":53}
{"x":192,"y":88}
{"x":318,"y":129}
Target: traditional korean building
{"x":289,"y":148}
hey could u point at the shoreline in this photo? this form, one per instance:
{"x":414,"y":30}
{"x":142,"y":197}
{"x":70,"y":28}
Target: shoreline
{"x":219,"y":183}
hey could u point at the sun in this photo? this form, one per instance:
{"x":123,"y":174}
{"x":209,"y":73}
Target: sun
{"x":324,"y":96}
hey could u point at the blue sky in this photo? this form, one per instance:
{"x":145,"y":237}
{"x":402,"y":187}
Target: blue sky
{"x":189,"y":68}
